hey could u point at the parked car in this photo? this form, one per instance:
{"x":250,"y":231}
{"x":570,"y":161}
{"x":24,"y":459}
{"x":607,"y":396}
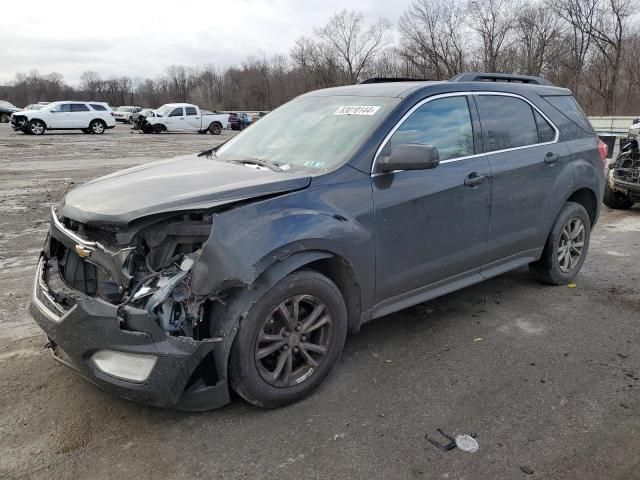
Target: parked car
{"x":244,"y":266}
{"x":89,"y":117}
{"x":622,"y":188}
{"x":127,"y":114}
{"x":34,"y":106}
{"x":257,"y":116}
{"x":176,"y":117}
{"x":6,"y":109}
{"x":239,"y":121}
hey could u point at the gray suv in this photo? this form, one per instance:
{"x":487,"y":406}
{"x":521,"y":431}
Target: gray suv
{"x":244,"y":266}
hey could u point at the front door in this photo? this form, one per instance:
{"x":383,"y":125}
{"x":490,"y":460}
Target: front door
{"x":176,"y":120}
{"x":60,"y":116}
{"x":431,"y":225}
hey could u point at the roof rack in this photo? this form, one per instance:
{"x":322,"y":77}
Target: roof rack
{"x":391,"y":80}
{"x":499,"y":77}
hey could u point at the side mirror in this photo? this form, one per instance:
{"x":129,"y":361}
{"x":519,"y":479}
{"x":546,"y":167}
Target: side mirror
{"x":409,"y":157}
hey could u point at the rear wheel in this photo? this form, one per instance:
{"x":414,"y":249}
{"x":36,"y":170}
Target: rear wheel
{"x":289,"y":341}
{"x":566,"y":247}
{"x":37,"y":127}
{"x":97,"y":127}
{"x":615,"y":200}
{"x":215,"y":128}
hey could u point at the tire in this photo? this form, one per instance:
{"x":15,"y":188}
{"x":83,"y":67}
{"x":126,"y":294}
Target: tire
{"x":36,"y":127}
{"x":250,"y":373}
{"x":570,"y":233}
{"x":615,"y":200}
{"x":4,"y":118}
{"x":215,"y":128}
{"x":97,"y":127}
{"x":86,"y":130}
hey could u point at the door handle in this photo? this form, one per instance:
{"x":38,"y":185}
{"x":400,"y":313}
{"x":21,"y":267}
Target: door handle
{"x":551,"y":157}
{"x":474,"y":179}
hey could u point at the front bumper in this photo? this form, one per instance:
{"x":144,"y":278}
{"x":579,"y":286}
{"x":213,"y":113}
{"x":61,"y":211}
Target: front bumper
{"x":93,"y":324}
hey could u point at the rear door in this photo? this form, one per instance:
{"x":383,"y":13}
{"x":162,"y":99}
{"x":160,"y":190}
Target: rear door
{"x":525,"y":157}
{"x":192,"y":118}
{"x":176,"y":120}
{"x":432,"y":225}
{"x":80,"y":116}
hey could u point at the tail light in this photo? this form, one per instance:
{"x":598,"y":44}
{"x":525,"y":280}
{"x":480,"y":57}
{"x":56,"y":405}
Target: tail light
{"x":602,"y":152}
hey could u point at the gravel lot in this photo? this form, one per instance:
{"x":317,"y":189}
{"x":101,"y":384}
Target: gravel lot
{"x":548,"y":378}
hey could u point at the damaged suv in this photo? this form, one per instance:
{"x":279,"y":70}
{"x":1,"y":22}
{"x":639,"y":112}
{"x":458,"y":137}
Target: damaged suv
{"x":243,"y":267}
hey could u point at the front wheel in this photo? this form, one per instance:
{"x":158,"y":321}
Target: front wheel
{"x":615,"y":200}
{"x":36,"y":127}
{"x":289,"y":341}
{"x":566,"y":247}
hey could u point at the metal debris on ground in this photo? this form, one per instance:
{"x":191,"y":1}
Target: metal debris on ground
{"x":467,"y":443}
{"x":527,"y":470}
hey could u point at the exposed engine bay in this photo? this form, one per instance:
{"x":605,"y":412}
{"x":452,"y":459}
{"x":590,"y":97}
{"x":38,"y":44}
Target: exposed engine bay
{"x":151,"y":268}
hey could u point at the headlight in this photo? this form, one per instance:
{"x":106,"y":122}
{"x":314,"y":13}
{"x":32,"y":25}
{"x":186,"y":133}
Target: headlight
{"x":126,"y":366}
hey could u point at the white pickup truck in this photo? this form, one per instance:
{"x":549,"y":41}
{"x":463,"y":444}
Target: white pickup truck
{"x":181,"y":117}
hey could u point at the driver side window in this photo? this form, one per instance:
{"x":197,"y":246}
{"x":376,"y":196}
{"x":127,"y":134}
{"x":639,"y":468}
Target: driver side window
{"x":177,"y":112}
{"x":444,"y":123}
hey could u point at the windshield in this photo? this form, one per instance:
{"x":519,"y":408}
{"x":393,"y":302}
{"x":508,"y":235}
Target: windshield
{"x":4,"y":103}
{"x":164,"y":110}
{"x":312,"y":132}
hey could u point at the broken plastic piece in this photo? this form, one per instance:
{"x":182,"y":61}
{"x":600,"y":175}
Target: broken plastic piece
{"x":445,"y":447}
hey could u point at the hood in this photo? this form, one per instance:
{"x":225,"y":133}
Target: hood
{"x":183,"y":183}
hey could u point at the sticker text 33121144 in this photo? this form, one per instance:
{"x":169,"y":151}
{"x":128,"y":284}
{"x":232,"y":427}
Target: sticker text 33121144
{"x":357,"y":110}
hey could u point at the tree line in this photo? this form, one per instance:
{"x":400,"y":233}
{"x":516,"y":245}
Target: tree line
{"x":589,"y":46}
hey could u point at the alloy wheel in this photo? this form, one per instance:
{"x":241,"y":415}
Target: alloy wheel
{"x":97,"y":127}
{"x":571,"y":244}
{"x":293,"y":341}
{"x":37,"y":128}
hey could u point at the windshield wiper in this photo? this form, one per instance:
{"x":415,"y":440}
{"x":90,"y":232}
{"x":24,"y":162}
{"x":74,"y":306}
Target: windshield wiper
{"x":262,"y":163}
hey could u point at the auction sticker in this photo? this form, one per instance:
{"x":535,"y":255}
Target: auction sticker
{"x":357,"y":110}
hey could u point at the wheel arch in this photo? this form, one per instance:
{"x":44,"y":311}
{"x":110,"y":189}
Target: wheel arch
{"x":588,"y":199}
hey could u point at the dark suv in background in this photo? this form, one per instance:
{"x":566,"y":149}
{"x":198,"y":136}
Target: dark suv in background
{"x":244,"y":266}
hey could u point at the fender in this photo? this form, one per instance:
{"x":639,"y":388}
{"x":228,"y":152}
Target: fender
{"x":240,"y":248}
{"x":225,"y":316}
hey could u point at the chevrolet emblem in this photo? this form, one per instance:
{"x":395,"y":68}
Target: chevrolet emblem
{"x":82,"y":252}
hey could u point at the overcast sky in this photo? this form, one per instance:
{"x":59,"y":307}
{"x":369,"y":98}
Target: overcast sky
{"x":140,"y":38}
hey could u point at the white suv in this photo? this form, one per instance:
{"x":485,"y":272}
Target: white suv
{"x":90,"y":117}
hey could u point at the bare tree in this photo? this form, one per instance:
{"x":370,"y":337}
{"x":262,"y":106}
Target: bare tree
{"x":537,"y":31}
{"x":354,"y":45}
{"x":432,"y":37}
{"x":494,"y":21}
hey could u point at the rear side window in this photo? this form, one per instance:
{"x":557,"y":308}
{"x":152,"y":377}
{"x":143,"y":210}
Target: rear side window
{"x":79,"y":107}
{"x":568,"y":106}
{"x":177,"y":112}
{"x":509,"y":122}
{"x":191,"y":111}
{"x":97,"y":107}
{"x":444,"y":123}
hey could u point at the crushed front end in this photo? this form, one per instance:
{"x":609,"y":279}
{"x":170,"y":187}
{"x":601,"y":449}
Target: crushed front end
{"x":625,"y":174}
{"x":116,"y":306}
